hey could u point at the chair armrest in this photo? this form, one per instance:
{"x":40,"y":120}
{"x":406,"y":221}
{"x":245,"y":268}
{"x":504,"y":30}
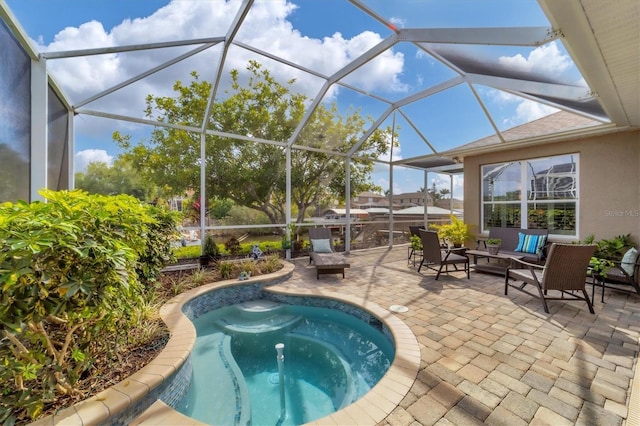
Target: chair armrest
{"x":530,"y":265}
{"x":460,"y":250}
{"x":618,"y":265}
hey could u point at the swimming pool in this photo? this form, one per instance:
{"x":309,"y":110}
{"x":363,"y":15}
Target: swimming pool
{"x":331,"y":358}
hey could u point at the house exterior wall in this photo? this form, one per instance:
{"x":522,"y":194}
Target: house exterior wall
{"x":609,"y":182}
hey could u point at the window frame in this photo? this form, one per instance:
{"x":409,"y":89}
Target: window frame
{"x":525,"y":199}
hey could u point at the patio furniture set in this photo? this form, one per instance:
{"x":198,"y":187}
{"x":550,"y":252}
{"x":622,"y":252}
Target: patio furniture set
{"x":526,"y":258}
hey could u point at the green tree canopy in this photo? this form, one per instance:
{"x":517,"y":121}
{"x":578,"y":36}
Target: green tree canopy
{"x":119,"y":178}
{"x":250,"y":173}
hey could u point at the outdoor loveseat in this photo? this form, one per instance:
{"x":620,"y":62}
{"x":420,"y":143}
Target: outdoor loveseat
{"x":529,"y":245}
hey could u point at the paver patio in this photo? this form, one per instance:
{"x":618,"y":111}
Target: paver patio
{"x":487,"y":358}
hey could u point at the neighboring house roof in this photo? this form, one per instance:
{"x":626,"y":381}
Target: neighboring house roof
{"x":344,"y":211}
{"x":561,"y":121}
{"x":378,"y":210}
{"x":431,"y":210}
{"x":367,"y":194}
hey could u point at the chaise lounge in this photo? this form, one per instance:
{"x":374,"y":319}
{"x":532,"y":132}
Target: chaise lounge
{"x":326,"y":260}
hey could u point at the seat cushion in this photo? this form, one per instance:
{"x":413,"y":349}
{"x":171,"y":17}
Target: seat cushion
{"x":321,"y":246}
{"x":528,"y":243}
{"x":629,"y":260}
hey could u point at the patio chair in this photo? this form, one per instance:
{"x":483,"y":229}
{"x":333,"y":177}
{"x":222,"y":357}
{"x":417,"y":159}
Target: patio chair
{"x":435,"y":258}
{"x":413,"y":232}
{"x":565,"y":271}
{"x":326,"y":260}
{"x":623,"y":276}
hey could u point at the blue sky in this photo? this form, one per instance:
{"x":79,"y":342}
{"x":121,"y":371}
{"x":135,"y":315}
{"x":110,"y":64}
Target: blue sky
{"x":322,"y":35}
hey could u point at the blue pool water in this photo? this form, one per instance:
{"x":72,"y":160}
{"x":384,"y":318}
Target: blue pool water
{"x":331,"y":359}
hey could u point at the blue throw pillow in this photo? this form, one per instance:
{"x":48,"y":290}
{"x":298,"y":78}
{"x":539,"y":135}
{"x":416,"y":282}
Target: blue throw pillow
{"x":530,"y":243}
{"x":321,"y":246}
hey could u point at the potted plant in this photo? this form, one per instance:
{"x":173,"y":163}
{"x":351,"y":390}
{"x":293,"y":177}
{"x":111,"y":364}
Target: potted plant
{"x":210,"y":251}
{"x":493,"y":245}
{"x":455,"y":233}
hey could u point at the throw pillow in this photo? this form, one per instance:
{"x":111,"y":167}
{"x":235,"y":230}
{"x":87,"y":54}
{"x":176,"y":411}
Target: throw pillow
{"x":629,"y":261}
{"x":530,"y":243}
{"x":321,"y":246}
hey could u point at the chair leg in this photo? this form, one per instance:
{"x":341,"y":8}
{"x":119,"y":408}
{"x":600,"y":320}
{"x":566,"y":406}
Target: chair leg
{"x":420,"y":266}
{"x":544,"y":301}
{"x":586,"y":297}
{"x":438,"y":274}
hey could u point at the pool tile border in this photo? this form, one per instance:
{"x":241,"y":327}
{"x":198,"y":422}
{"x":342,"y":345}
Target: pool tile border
{"x":117,"y":404}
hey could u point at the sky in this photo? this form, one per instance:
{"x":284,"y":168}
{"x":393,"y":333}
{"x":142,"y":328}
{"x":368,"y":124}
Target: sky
{"x":320,"y":35}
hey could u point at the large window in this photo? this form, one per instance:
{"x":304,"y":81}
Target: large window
{"x":532,"y":194}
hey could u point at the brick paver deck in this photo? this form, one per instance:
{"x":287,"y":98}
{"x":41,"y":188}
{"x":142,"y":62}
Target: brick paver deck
{"x":488,"y":358}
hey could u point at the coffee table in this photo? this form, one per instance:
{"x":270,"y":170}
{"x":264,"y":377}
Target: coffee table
{"x":498,"y":267}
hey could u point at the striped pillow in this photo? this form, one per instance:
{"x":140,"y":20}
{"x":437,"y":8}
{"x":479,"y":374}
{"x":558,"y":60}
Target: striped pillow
{"x":531,"y":243}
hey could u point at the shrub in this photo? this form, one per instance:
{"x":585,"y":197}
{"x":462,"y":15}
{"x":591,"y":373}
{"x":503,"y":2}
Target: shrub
{"x":225,"y":268}
{"x":73,"y":273}
{"x":186,"y":252}
{"x":210,"y":248}
{"x":232,"y":246}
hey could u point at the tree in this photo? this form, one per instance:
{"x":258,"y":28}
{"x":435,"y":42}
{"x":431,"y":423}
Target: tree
{"x":120,"y":178}
{"x":248,"y":173}
{"x":444,"y":192}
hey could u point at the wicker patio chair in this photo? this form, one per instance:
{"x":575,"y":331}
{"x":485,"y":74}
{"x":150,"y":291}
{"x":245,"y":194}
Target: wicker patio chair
{"x":435,"y":258}
{"x":623,"y":276}
{"x":413,"y":232}
{"x":565,"y":271}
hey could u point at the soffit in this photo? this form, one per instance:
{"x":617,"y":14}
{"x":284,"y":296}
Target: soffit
{"x":603,"y":38}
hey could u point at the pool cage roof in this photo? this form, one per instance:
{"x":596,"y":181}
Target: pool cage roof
{"x":437,"y":71}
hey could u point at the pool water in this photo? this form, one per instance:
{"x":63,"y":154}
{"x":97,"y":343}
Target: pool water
{"x":331,"y":359}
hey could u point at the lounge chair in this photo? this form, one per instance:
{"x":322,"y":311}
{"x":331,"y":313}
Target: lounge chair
{"x":565,"y":271}
{"x":435,"y":257}
{"x":326,"y":260}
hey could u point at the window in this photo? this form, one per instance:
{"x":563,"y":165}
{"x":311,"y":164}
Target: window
{"x":550,"y":188}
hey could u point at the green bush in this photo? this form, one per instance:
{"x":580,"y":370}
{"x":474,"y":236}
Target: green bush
{"x":187,"y":252}
{"x":73,"y":273}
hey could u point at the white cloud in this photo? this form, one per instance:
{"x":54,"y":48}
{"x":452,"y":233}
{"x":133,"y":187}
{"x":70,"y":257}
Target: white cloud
{"x":266,"y":27}
{"x":398,"y":22}
{"x":546,"y":60}
{"x":83,"y":158}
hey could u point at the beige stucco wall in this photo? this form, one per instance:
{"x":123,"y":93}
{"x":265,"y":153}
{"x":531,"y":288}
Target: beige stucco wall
{"x":609,"y":179}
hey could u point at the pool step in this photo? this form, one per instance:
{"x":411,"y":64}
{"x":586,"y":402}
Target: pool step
{"x":219,"y":370}
{"x":256,"y":317}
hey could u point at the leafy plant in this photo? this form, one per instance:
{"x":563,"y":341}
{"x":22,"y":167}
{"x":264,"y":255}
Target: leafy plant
{"x":270,"y":264}
{"x":457,"y":232}
{"x":494,"y":241}
{"x":210,"y":248}
{"x":250,"y":267}
{"x":186,"y":252}
{"x":416,"y":242}
{"x":614,"y":248}
{"x":232,"y":246}
{"x":225,"y":268}
{"x":74,"y":273}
